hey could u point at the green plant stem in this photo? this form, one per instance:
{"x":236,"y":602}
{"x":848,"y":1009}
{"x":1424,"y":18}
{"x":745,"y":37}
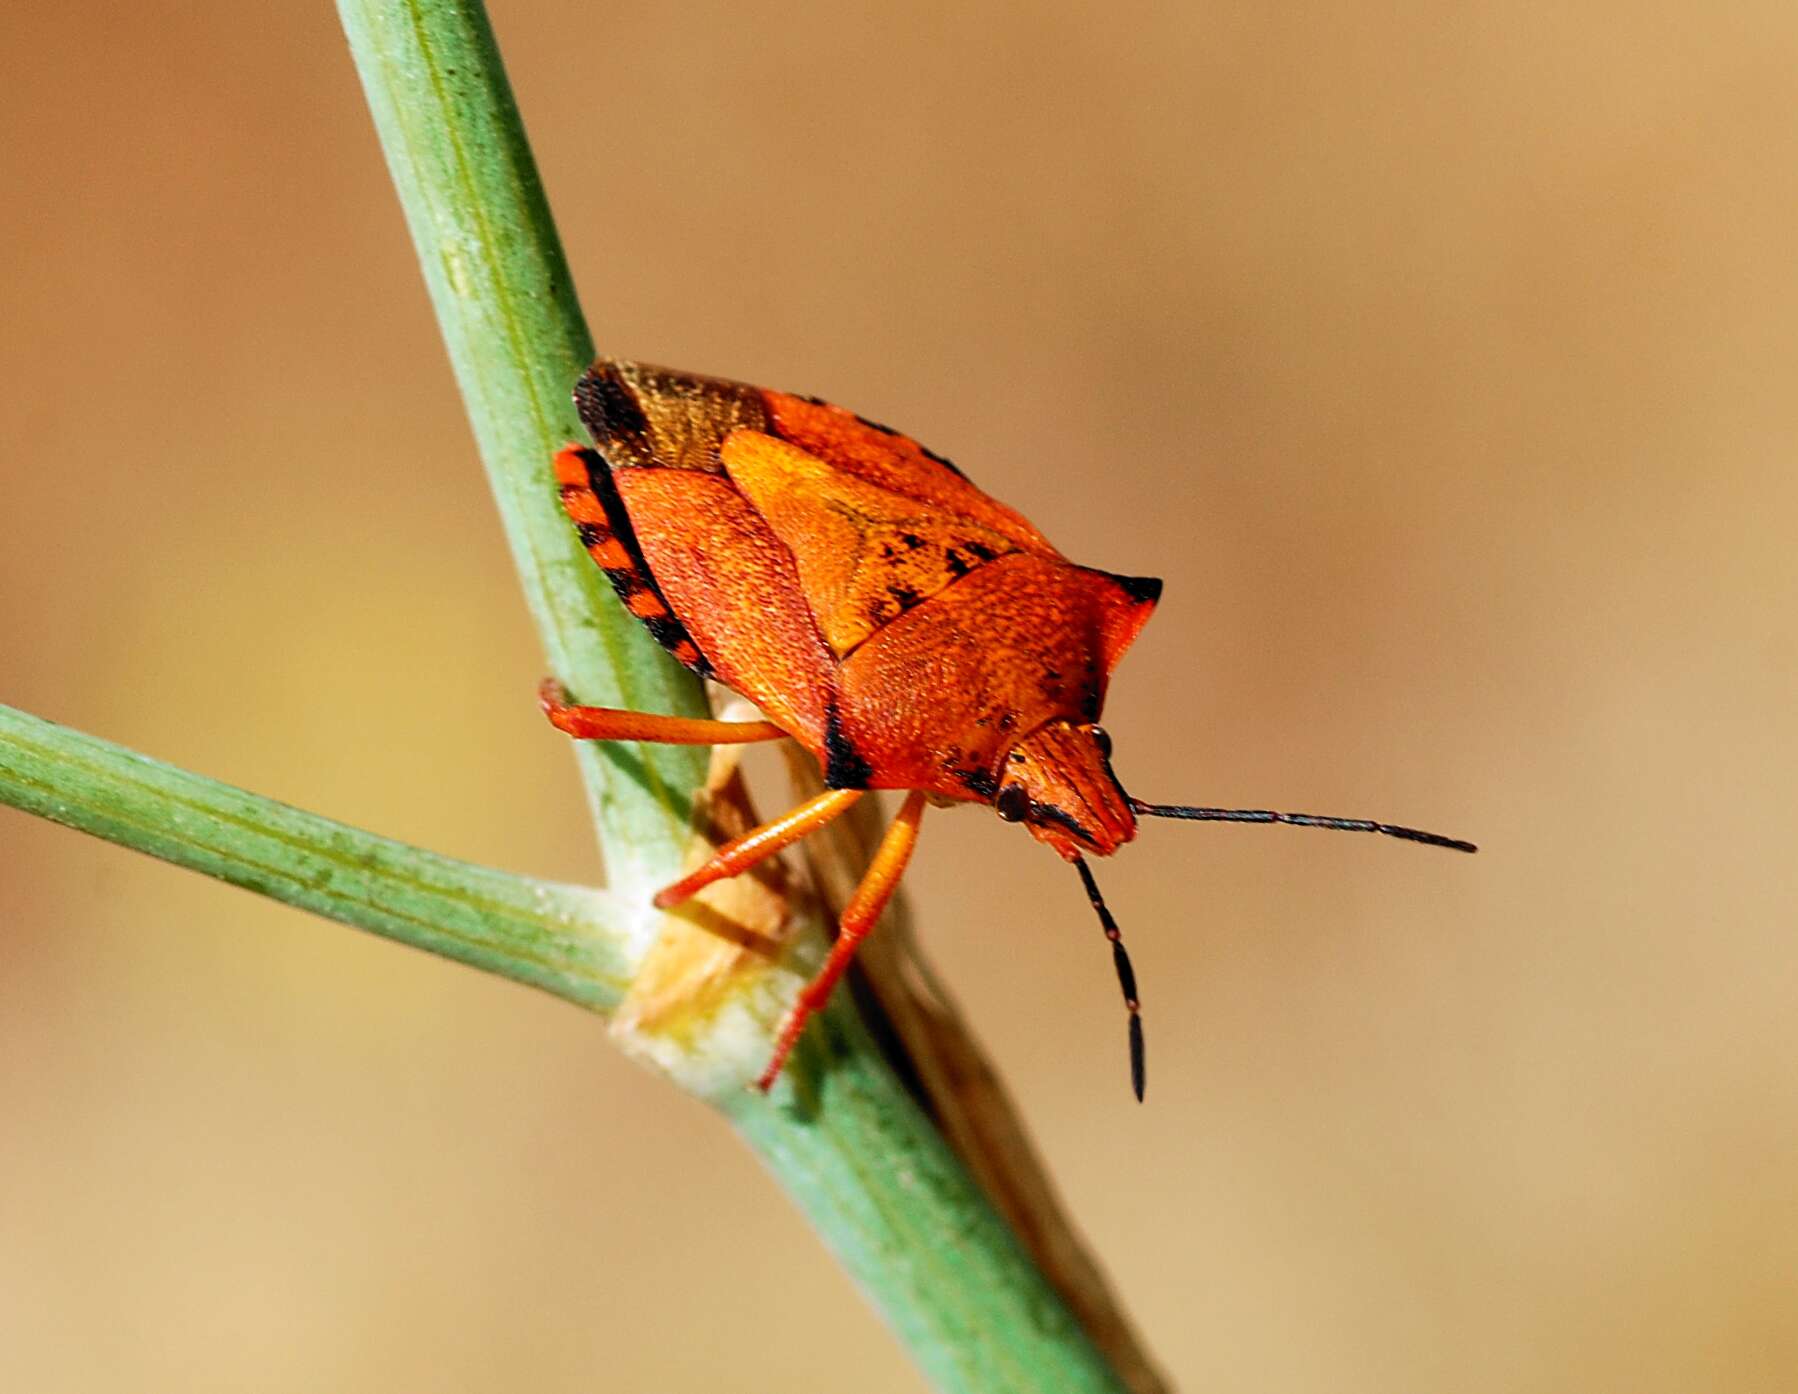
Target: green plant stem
{"x":902,"y":1215}
{"x":499,"y":283}
{"x":569,"y":940}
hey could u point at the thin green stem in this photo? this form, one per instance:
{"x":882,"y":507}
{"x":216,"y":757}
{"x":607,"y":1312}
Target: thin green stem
{"x":904,"y":1218}
{"x":500,"y":285}
{"x":569,"y":940}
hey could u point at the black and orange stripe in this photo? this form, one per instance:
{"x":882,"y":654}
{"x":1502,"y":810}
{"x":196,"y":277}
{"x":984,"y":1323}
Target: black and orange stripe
{"x":591,"y":501}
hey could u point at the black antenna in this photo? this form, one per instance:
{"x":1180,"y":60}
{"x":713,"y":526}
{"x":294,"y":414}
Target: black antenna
{"x":1298,"y":820}
{"x":1126,"y":974}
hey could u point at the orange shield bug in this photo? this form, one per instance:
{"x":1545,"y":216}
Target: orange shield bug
{"x":906,"y":629}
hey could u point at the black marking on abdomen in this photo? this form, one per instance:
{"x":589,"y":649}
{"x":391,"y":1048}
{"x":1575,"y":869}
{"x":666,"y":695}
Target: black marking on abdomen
{"x":844,"y":765}
{"x":633,"y":581}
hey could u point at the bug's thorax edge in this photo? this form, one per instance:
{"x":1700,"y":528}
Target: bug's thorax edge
{"x":1057,"y":781}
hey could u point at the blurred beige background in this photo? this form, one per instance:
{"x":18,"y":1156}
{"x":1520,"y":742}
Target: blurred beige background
{"x":1440,"y":360}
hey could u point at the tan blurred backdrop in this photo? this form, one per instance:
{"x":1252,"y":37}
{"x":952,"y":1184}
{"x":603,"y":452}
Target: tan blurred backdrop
{"x":1440,"y":359}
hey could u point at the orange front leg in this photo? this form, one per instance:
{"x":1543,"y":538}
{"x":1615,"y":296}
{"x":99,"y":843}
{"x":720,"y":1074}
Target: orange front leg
{"x":610,"y":724}
{"x":858,"y":918}
{"x":758,"y":844}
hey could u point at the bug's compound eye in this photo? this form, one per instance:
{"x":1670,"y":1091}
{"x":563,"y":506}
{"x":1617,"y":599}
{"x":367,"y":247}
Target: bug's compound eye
{"x":1013,"y":803}
{"x":1102,"y":739}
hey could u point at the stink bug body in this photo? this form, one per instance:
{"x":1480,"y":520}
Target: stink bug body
{"x":906,"y":629}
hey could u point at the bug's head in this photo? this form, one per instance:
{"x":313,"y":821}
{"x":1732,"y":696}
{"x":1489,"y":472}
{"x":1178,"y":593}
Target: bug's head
{"x":1057,"y":782}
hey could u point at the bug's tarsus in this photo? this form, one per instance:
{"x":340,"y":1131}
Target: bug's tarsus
{"x":1126,"y":975}
{"x":1298,"y":820}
